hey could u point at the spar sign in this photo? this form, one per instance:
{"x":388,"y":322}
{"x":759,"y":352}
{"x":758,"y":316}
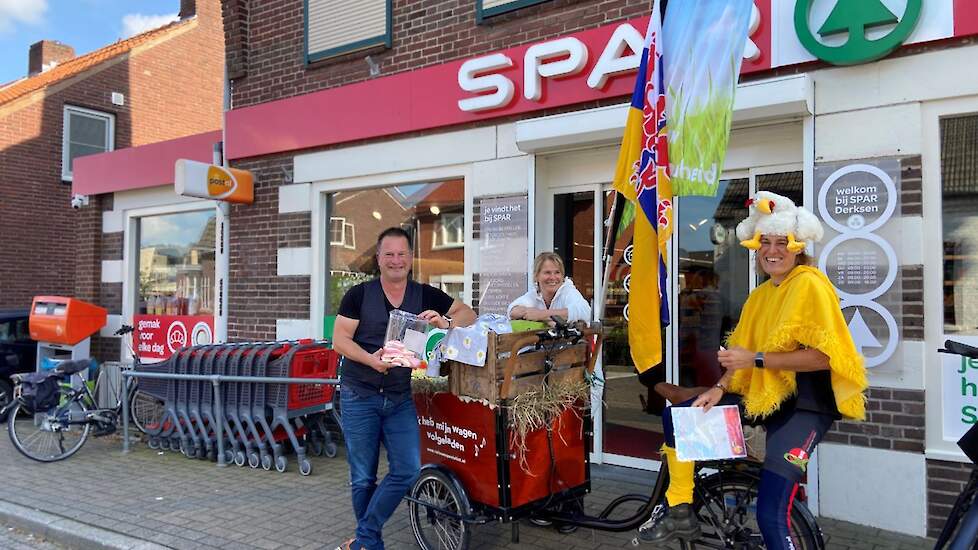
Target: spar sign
{"x":157,"y":337}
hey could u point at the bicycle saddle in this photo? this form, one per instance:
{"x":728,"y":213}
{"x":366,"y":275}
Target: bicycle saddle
{"x":958,"y":348}
{"x":68,"y":368}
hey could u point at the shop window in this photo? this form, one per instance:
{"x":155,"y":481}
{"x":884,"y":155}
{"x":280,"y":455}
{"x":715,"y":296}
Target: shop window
{"x":337,"y":27}
{"x":959,"y":208}
{"x":489,"y":8}
{"x":86,"y":132}
{"x":176,"y":264}
{"x":432,"y":213}
{"x":341,"y":233}
{"x":449,"y":231}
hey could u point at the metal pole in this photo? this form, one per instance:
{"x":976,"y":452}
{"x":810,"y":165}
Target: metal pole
{"x":219,"y":414}
{"x":125,"y":413}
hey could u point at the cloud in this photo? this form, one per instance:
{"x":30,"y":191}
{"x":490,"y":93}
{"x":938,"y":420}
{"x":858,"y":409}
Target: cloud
{"x":21,"y":11}
{"x":137,"y":23}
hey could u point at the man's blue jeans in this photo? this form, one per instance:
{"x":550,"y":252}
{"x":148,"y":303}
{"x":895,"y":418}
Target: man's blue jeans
{"x":369,"y":421}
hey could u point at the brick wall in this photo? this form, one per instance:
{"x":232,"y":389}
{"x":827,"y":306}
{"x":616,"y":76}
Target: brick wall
{"x":945,"y":481}
{"x":265,"y":40}
{"x":172,"y":89}
{"x":894,"y":421}
{"x":257,"y":295}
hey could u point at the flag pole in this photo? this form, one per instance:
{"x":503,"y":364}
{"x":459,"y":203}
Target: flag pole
{"x":611,"y":226}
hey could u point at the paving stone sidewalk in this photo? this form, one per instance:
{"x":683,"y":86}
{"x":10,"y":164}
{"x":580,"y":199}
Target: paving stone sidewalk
{"x":188,"y":504}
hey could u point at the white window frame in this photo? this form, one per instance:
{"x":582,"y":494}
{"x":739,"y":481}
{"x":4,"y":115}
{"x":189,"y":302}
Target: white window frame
{"x":439,"y":281}
{"x":935,"y":446}
{"x":66,"y":172}
{"x":439,"y":227}
{"x":347,"y":240}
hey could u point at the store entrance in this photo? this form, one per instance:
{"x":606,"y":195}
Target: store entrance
{"x":711,"y":276}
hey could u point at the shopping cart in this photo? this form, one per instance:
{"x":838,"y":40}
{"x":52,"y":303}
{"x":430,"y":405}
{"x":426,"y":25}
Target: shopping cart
{"x":290,"y":403}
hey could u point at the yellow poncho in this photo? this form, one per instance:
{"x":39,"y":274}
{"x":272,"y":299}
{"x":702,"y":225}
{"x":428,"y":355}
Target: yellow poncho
{"x":802,"y":311}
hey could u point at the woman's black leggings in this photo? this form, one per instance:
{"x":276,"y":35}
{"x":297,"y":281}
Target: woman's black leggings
{"x":791,"y":439}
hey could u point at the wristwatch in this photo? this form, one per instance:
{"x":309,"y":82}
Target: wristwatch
{"x":759,"y":360}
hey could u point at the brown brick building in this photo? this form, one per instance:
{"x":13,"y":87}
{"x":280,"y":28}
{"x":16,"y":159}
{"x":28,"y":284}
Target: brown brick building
{"x":491,"y":128}
{"x":158,"y":85}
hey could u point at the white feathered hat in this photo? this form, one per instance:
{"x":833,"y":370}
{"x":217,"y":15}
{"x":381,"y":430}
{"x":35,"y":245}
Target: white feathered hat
{"x":773,"y":214}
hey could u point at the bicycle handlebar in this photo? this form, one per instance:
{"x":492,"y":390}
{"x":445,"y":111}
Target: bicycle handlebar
{"x":124,"y":329}
{"x":957,"y":348}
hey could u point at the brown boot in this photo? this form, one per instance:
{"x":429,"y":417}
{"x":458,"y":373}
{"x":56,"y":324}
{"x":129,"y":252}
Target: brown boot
{"x":678,"y":394}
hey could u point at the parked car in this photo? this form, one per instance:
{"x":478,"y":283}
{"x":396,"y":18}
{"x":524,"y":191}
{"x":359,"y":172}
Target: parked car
{"x":18,"y":353}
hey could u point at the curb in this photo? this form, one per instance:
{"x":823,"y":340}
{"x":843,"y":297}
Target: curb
{"x":69,"y":532}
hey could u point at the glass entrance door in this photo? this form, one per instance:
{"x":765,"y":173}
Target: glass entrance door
{"x":712,"y":278}
{"x":710,"y":275}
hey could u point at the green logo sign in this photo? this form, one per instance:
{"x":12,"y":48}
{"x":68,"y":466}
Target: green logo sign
{"x":856,"y":17}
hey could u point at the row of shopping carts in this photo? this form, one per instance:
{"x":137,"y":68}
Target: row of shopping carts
{"x":256,"y":420}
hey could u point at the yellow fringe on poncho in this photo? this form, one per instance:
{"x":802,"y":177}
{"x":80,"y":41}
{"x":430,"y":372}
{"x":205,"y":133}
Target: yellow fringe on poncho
{"x":803,"y":311}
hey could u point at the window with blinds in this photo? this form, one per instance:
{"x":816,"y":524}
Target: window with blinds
{"x":489,"y":8}
{"x":336,"y":27}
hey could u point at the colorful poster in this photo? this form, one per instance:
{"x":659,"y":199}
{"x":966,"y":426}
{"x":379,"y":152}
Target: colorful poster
{"x":703,"y":45}
{"x":157,"y":337}
{"x":713,"y":435}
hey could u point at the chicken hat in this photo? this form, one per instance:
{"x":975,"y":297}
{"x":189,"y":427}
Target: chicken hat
{"x":773,"y":214}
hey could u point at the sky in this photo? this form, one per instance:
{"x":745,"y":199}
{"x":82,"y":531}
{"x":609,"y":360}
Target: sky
{"x":85,"y":25}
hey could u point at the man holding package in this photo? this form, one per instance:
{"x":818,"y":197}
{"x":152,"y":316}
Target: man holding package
{"x":375,"y":396}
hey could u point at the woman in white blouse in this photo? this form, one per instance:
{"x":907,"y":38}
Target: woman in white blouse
{"x":554,"y":294}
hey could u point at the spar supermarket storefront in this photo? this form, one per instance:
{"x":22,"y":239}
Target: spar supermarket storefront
{"x":883,"y":156}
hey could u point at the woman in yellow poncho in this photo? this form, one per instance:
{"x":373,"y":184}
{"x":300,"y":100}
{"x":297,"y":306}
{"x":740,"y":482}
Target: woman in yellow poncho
{"x":791,"y":363}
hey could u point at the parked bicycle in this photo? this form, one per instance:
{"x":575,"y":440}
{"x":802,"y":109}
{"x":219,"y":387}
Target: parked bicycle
{"x":960,"y":531}
{"x":54,"y":412}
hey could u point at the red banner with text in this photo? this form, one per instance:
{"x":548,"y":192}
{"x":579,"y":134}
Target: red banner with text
{"x":157,"y":337}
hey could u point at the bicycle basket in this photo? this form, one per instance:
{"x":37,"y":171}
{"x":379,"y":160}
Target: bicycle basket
{"x":39,"y":391}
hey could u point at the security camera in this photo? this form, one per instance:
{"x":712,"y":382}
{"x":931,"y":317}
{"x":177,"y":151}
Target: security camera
{"x":77,"y":201}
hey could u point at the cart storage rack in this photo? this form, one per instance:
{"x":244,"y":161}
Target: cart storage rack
{"x":257,"y":417}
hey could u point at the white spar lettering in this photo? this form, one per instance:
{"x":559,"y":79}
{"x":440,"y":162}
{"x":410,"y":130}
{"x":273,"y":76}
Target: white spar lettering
{"x":539,"y":62}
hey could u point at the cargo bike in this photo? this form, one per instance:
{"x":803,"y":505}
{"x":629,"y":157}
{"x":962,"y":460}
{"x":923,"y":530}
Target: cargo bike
{"x":490,"y":456}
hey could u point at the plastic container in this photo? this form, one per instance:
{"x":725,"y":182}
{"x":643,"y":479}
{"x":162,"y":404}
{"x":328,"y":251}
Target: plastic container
{"x":408,"y":329}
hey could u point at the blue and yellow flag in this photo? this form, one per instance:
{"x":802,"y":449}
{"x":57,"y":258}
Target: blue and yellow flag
{"x":642,"y":176}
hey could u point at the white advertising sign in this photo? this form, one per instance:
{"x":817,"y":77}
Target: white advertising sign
{"x":959,"y":397}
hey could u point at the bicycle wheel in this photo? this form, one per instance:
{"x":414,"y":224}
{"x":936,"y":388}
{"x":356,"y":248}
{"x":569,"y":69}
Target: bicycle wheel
{"x":433,"y":528}
{"x":727,"y":511}
{"x":45,"y":436}
{"x":146,"y":412}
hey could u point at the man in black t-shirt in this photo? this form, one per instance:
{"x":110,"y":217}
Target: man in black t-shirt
{"x":375,"y":396}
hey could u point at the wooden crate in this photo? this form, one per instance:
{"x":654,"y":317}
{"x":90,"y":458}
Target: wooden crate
{"x":486,"y":382}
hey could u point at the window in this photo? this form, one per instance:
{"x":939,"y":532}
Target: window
{"x":489,"y":8}
{"x":428,"y":211}
{"x":86,"y":132}
{"x":449,"y":231}
{"x":336,"y":27}
{"x":341,"y":233}
{"x":176,"y":263}
{"x":453,"y":285}
{"x":959,"y":207}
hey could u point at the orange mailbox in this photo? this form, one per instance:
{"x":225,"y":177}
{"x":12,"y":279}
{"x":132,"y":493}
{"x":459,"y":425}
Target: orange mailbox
{"x":63,"y":320}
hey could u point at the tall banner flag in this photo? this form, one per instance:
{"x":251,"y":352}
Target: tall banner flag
{"x":642,"y":177}
{"x":704,"y":46}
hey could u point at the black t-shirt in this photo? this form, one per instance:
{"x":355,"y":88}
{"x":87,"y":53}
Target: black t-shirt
{"x":431,"y":298}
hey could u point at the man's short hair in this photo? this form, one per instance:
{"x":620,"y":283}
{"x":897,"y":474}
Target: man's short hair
{"x":394,"y":232}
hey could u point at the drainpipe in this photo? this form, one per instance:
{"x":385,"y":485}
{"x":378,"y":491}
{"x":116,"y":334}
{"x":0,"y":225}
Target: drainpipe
{"x":222,"y":244}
